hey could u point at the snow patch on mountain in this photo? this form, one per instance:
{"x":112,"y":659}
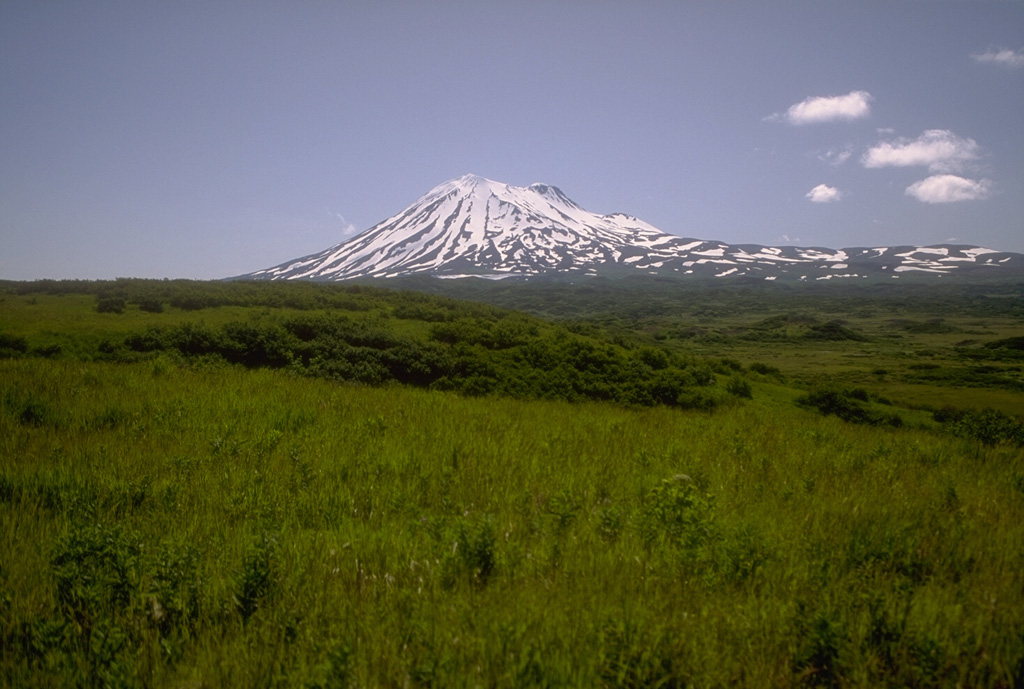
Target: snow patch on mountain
{"x":475,"y":227}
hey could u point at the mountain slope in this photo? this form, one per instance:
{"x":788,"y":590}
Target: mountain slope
{"x":475,"y":226}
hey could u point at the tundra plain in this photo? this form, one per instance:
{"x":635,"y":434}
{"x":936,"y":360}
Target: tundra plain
{"x":611,"y":484}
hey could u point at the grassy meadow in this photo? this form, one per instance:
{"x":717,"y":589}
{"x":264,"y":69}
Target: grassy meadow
{"x":206,"y":485}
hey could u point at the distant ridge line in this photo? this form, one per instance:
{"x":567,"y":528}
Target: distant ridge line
{"x":475,"y":227}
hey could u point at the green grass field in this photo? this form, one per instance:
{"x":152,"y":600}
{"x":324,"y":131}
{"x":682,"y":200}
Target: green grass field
{"x":171,"y":519}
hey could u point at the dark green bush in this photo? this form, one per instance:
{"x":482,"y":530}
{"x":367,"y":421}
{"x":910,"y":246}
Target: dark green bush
{"x":193,"y":338}
{"x":254,"y":344}
{"x":833,"y":330}
{"x":95,"y":570}
{"x":933,"y":326}
{"x":665,"y":387}
{"x":990,"y":426}
{"x":191,"y":300}
{"x":151,"y":305}
{"x":257,"y":578}
{"x":697,"y":400}
{"x":489,"y":353}
{"x":739,"y":387}
{"x":471,"y":552}
{"x":152,"y":340}
{"x":817,"y":659}
{"x":655,"y":358}
{"x":48,"y":351}
{"x":677,"y":512}
{"x":110,"y":304}
{"x":849,"y":405}
{"x":12,"y":345}
{"x":1016,"y":343}
{"x":765,"y":369}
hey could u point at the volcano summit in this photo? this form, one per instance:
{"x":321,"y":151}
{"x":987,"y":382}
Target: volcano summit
{"x":473,"y":226}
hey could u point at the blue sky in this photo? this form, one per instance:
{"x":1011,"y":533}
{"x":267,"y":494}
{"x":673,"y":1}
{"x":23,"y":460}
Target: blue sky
{"x":208,"y":139}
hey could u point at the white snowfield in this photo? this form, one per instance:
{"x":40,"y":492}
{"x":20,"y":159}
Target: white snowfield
{"x":475,"y":227}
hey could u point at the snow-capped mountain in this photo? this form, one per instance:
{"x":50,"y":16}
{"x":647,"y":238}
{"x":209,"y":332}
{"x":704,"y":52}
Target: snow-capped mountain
{"x":473,"y":226}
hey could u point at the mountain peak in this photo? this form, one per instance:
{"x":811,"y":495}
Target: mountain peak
{"x":469,"y":185}
{"x":470,"y":180}
{"x":472,"y":225}
{"x":551,"y":192}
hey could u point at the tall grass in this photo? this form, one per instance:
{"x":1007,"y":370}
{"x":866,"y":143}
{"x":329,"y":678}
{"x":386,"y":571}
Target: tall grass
{"x":173,"y":526}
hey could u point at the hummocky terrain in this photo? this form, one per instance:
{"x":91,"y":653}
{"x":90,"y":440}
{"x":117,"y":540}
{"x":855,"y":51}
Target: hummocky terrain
{"x":473,"y":226}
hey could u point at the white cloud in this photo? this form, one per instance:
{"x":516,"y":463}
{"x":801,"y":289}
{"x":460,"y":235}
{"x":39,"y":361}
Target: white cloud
{"x":348,"y":229}
{"x":938,"y":149}
{"x":852,"y":106}
{"x":1003,"y":57}
{"x":824,"y":194}
{"x":949,"y":188}
{"x":836,"y":156}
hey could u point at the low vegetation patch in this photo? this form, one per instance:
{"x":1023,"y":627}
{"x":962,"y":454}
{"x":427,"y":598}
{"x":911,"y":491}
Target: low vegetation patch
{"x":377,"y":337}
{"x":415,"y":491}
{"x":849,"y":404}
{"x":989,"y":426}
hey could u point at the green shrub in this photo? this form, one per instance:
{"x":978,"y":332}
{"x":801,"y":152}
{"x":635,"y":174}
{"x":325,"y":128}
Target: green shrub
{"x":152,"y":340}
{"x":193,"y":300}
{"x":657,"y":359}
{"x":832,"y":331}
{"x":727,"y":365}
{"x":989,"y":426}
{"x":472,"y":554}
{"x":817,"y":660}
{"x":475,"y":356}
{"x":12,"y":345}
{"x":849,"y":405}
{"x":697,"y":400}
{"x":95,"y":570}
{"x":151,"y":305}
{"x":48,"y":351}
{"x":257,"y":577}
{"x":677,"y":512}
{"x":739,"y":387}
{"x":765,"y":369}
{"x":110,"y":304}
{"x":932,"y":326}
{"x":1014,"y":343}
{"x":29,"y":408}
{"x":176,"y":596}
